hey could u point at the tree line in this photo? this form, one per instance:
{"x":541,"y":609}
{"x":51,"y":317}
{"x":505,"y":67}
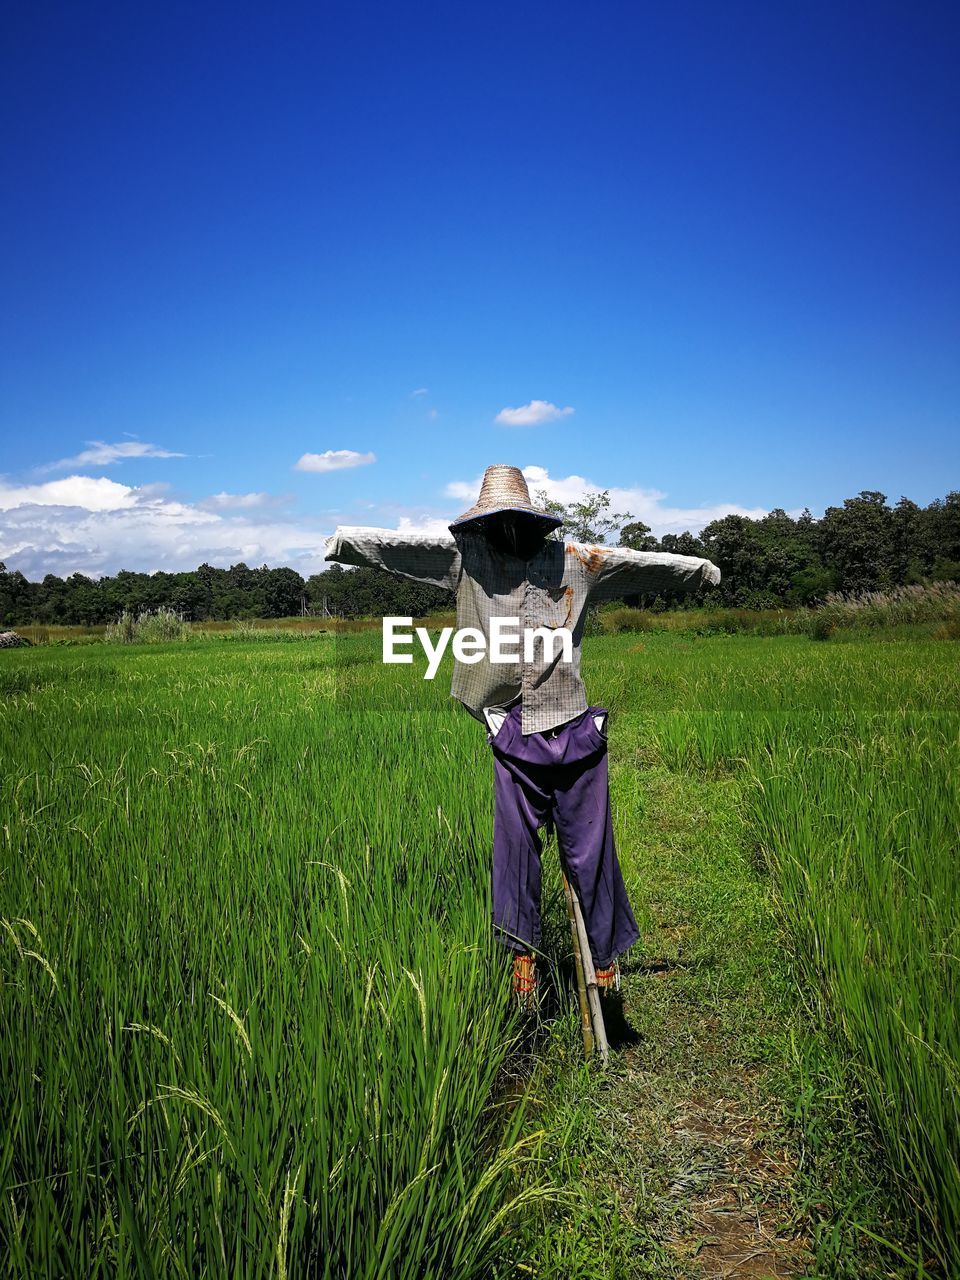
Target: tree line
{"x":863,"y":545}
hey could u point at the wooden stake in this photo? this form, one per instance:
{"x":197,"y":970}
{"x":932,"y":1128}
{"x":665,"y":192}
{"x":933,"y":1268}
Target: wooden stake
{"x":590,"y":977}
{"x":586,"y":1022}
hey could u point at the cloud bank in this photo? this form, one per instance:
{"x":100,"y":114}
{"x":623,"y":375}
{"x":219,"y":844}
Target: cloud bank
{"x":96,"y":526}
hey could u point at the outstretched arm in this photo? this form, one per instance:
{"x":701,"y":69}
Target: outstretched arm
{"x":425,"y":557}
{"x":617,"y":571}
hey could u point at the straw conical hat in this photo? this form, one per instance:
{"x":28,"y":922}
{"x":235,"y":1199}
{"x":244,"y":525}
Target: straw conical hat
{"x":504,"y":489}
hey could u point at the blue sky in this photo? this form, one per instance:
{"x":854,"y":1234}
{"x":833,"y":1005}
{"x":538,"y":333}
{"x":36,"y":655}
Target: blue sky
{"x":722,"y":235}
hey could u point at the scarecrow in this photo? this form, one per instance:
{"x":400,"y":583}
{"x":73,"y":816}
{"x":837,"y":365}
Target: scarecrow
{"x":549,"y":746}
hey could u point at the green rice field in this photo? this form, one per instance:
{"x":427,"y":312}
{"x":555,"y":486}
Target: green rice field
{"x":252,"y":1020}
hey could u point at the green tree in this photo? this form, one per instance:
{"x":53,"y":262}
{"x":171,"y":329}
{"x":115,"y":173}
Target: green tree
{"x":735,"y":546}
{"x":365,"y":592}
{"x":856,"y":541}
{"x":282,"y":592}
{"x":638,"y":537}
{"x":15,"y":592}
{"x":587,"y":520}
{"x":943,"y":520}
{"x":85,"y":608}
{"x":682,"y":544}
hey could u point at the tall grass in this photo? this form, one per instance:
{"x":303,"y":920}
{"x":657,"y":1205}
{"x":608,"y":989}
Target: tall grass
{"x":853,"y":760}
{"x":931,"y":602}
{"x":43,"y":634}
{"x":252,"y":1016}
{"x":243,"y":629}
{"x":149,"y":626}
{"x":621,"y":620}
{"x":872,"y":610}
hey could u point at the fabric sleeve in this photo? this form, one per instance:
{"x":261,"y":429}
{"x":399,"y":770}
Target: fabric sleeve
{"x":618,"y":571}
{"x":425,"y":557}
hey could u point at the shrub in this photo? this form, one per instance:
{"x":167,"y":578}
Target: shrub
{"x":821,"y":627}
{"x":148,"y":627}
{"x":592,"y":625}
{"x":626,"y":620}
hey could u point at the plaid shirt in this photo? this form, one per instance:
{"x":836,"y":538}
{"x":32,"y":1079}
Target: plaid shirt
{"x":551,"y":589}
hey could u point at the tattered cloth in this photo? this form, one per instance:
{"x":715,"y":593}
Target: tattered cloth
{"x":551,"y":589}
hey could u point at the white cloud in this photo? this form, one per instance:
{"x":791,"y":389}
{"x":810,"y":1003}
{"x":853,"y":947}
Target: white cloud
{"x":420,"y":391}
{"x":424,"y":524}
{"x":334,"y":460}
{"x":93,"y":494}
{"x":465,"y":489}
{"x":648,"y":505}
{"x":100,"y":454}
{"x":532,"y":414}
{"x":234,"y":501}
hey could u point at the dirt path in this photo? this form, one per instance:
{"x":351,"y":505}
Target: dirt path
{"x":706,"y":1132}
{"x":724,"y":1142}
{"x":686,"y":1142}
{"x":708,"y":1002}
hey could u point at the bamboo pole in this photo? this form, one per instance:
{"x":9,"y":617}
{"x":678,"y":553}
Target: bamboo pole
{"x":590,"y":977}
{"x":586,"y":1022}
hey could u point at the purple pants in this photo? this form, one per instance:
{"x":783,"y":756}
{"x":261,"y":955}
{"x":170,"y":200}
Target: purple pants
{"x":559,"y":776}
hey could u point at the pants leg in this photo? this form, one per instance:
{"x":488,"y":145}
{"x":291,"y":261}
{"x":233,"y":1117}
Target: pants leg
{"x":585,"y":833}
{"x":520,"y":809}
